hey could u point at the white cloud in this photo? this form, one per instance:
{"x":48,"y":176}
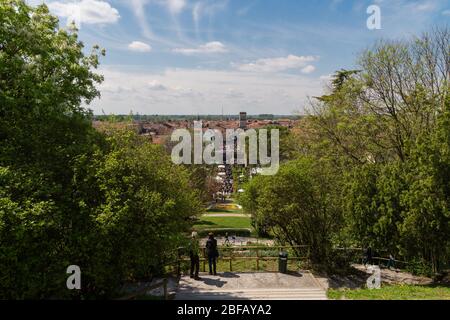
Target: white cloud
{"x":156,"y":85}
{"x":196,"y":14}
{"x":210,"y":47}
{"x":85,"y":11}
{"x":175,"y":6}
{"x":446,"y":13}
{"x":174,"y":92}
{"x":138,"y":8}
{"x":423,"y":7}
{"x":308,"y":69}
{"x":327,"y":77}
{"x":209,"y":9}
{"x":196,"y":11}
{"x":279,"y":64}
{"x":139,"y":46}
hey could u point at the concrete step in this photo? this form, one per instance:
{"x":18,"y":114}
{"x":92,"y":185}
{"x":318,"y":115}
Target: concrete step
{"x":253,"y":294}
{"x":251,"y":286}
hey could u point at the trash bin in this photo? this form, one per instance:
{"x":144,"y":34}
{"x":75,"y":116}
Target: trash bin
{"x":282,"y":262}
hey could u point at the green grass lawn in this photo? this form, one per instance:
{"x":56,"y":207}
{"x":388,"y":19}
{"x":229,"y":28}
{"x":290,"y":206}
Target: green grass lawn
{"x":221,"y":209}
{"x":395,"y":292}
{"x":223,"y":222}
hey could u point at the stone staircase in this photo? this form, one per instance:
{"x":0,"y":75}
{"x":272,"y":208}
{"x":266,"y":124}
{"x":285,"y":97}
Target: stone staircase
{"x":248,"y":286}
{"x":255,"y":294}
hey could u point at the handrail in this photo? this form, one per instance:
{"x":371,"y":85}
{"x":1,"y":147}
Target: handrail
{"x":387,"y":259}
{"x":261,"y":247}
{"x":232,"y":250}
{"x":225,"y":247}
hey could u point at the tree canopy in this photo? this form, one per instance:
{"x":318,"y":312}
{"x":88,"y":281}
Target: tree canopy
{"x":379,"y":137}
{"x":110,"y":202}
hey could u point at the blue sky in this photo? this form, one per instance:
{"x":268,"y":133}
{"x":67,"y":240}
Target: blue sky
{"x":259,"y":56}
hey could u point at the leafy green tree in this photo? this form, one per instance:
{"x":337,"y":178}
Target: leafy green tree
{"x":383,"y":128}
{"x":108,"y":202}
{"x":297,"y":205}
{"x":425,"y":228}
{"x":44,"y":78}
{"x":146,"y":206}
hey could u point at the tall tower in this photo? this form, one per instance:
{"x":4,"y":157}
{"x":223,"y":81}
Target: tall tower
{"x":243,"y":120}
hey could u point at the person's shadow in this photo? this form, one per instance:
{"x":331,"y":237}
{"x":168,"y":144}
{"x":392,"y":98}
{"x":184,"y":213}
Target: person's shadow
{"x":214,"y":282}
{"x":229,"y":275}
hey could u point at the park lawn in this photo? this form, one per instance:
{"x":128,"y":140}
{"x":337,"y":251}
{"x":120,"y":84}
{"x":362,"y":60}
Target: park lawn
{"x":393,"y":292}
{"x":223,"y":223}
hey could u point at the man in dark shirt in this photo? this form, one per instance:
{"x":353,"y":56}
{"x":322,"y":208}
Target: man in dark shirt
{"x":212,"y":253}
{"x":368,"y":256}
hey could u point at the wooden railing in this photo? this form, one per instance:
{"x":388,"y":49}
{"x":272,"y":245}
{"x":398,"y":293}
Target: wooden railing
{"x":404,"y":263}
{"x":361,"y":253}
{"x":234,"y":253}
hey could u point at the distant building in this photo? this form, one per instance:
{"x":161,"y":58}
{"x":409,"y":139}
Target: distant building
{"x":243,"y":120}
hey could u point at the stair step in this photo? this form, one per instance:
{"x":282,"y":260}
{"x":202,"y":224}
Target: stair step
{"x":256,"y":294}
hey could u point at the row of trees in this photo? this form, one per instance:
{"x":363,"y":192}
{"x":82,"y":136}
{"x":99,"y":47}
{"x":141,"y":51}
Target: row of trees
{"x":370,"y":166}
{"x":109,"y":202}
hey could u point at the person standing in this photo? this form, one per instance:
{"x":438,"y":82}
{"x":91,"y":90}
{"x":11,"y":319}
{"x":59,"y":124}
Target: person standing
{"x":368,"y":256}
{"x":227,"y":239}
{"x":212,"y":253}
{"x":194,"y":249}
{"x":391,"y":262}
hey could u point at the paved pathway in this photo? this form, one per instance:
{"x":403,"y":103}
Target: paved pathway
{"x":240,"y":241}
{"x":251,"y":286}
{"x":240,"y":215}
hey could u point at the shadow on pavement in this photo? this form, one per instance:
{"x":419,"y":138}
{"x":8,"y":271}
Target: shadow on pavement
{"x":214,"y":282}
{"x":229,"y":275}
{"x":294,"y":273}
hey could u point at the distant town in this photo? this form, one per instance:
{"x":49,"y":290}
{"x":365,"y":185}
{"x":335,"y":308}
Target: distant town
{"x":159,"y":127}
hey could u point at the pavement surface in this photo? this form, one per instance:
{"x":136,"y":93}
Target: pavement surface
{"x":251,"y":286}
{"x":239,"y":241}
{"x":238,"y":215}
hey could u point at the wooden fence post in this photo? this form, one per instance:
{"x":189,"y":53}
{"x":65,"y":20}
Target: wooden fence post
{"x":257,"y":259}
{"x":231,"y":260}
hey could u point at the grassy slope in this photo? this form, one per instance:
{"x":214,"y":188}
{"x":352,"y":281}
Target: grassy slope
{"x":395,"y":292}
{"x":223,"y":222}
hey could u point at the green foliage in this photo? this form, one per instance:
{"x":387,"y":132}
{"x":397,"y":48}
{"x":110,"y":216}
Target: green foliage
{"x":388,"y":127}
{"x":111,"y":202}
{"x":379,"y":141}
{"x":404,"y":206}
{"x":297,"y":205}
{"x":146,"y":203}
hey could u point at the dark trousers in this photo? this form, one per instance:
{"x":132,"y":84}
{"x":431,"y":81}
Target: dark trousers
{"x":195,"y":265}
{"x":391,"y":263}
{"x":212,"y":264}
